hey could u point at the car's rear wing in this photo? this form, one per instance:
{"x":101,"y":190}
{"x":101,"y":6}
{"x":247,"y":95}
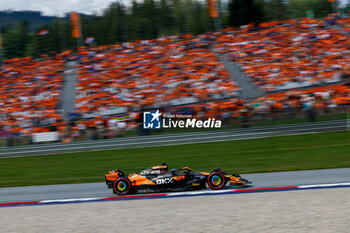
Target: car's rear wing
{"x":114,"y":174}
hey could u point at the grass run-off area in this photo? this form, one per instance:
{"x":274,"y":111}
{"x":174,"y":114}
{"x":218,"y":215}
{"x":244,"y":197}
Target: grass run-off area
{"x":302,"y":152}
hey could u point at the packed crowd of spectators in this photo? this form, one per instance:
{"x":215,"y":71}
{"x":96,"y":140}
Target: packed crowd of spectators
{"x":290,"y":54}
{"x":182,"y":75}
{"x":155,"y":73}
{"x":30,"y":95}
{"x":293,"y":103}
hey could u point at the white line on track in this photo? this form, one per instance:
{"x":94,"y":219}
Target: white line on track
{"x":71,"y":200}
{"x":322,"y":185}
{"x":200,"y":192}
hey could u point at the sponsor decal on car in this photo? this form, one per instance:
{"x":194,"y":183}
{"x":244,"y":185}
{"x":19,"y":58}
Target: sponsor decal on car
{"x":151,"y":172}
{"x":164,"y":181}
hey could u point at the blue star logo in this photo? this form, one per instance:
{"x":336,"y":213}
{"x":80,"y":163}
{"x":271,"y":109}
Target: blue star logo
{"x":152,"y":120}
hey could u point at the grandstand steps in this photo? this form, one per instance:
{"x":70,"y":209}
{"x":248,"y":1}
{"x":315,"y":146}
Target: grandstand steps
{"x":248,"y":89}
{"x":68,"y":89}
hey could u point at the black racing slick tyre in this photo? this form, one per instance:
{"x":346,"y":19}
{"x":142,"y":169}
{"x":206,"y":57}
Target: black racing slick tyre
{"x":122,"y":186}
{"x":216,"y":180}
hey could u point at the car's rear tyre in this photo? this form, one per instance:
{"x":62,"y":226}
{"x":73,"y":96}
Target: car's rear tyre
{"x":122,"y":186}
{"x":216,"y":180}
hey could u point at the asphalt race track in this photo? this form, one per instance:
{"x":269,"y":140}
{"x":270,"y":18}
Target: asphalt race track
{"x":177,"y":139}
{"x":93,"y":190}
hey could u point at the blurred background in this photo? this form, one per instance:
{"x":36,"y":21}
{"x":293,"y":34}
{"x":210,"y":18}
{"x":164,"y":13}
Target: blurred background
{"x":69,"y":76}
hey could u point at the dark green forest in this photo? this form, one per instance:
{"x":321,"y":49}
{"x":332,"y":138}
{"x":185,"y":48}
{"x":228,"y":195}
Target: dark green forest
{"x":145,"y":20}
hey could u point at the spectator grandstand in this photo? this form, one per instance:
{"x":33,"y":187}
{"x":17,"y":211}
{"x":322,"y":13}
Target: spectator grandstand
{"x":289,"y":54}
{"x":165,"y":72}
{"x":303,"y":66}
{"x":30,"y":95}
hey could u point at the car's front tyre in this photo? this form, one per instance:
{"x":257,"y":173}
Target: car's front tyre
{"x":216,"y":180}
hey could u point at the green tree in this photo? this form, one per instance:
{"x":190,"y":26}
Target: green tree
{"x":166,"y":19}
{"x":32,"y":49}
{"x":55,"y":37}
{"x":181,"y":18}
{"x":44,"y":43}
{"x":298,"y":8}
{"x":242,"y":12}
{"x":15,"y":41}
{"x":275,"y":10}
{"x":114,"y":23}
{"x":23,"y":37}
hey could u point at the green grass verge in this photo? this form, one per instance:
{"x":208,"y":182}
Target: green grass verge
{"x":302,"y":152}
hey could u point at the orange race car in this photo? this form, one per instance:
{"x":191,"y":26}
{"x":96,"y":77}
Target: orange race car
{"x":160,"y":179}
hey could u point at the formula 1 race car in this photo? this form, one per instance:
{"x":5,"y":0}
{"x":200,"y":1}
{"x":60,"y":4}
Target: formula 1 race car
{"x":160,"y":179}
